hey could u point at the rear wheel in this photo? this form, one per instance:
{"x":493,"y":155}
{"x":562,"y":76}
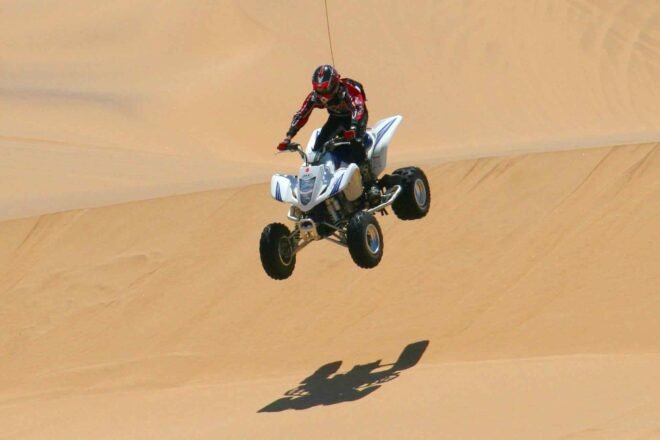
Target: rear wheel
{"x":414,"y":201}
{"x":365,"y":240}
{"x":277,"y":251}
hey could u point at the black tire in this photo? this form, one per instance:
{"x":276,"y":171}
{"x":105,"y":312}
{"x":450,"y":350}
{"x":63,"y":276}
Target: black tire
{"x":414,"y":201}
{"x":365,"y":240}
{"x":276,"y":251}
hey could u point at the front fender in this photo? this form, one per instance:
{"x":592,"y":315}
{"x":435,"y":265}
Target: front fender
{"x":281,"y":188}
{"x":345,"y":179}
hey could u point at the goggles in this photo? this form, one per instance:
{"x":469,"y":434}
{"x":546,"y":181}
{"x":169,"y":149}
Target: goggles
{"x":325,"y":91}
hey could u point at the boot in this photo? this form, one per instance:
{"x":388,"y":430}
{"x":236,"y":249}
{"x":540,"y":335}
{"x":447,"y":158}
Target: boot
{"x":371,"y":189}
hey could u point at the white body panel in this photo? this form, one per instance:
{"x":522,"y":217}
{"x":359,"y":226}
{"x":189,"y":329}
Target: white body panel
{"x":381,"y":135}
{"x":317,"y":183}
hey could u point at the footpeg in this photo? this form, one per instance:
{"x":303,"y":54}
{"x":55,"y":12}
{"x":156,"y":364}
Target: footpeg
{"x":388,"y":181}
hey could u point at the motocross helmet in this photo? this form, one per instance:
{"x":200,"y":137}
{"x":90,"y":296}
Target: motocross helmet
{"x":325,"y":81}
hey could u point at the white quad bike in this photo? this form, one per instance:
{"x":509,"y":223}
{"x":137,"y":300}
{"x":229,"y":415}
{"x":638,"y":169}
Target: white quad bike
{"x":329,"y":202}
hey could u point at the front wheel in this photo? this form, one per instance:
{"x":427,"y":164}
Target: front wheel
{"x":414,"y":201}
{"x":365,"y":240}
{"x":277,"y":251}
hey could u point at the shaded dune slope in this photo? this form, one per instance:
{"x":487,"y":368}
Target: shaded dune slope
{"x":534,"y":277}
{"x":512,"y":261}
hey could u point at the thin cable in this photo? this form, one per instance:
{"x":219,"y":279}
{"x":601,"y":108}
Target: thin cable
{"x":327,"y":22}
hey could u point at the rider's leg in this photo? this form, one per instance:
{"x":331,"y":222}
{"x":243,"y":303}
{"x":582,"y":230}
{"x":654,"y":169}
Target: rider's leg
{"x":359,"y":157}
{"x":333,"y":125}
{"x":370,"y":182}
{"x":356,"y":153}
{"x":360,"y":153}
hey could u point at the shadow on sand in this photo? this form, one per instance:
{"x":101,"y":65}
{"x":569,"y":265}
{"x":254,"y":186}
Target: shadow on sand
{"x":324,"y":387}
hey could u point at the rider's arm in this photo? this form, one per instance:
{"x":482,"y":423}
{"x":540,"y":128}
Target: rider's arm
{"x":302,"y":115}
{"x":357,"y":105}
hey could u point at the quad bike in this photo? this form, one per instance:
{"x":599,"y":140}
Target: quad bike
{"x":328,"y":201}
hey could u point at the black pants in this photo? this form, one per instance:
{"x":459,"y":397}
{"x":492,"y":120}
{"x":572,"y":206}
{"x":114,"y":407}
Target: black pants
{"x":337,"y":124}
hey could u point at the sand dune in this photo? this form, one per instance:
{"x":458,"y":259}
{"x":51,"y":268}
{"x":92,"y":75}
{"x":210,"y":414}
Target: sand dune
{"x":148,"y":305}
{"x":136,"y":143}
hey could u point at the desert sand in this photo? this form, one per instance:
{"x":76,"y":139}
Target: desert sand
{"x":137,"y":144}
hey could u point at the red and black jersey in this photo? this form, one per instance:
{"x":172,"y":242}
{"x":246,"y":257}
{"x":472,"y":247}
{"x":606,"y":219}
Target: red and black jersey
{"x":348,"y":101}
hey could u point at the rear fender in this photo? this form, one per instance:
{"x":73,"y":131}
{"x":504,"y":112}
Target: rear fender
{"x":382,"y":134}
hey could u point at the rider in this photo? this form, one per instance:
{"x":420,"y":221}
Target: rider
{"x":344,"y":100}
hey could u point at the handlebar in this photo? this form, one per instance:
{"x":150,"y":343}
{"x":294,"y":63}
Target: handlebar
{"x":329,"y":145}
{"x":295,"y":147}
{"x":335,"y":143}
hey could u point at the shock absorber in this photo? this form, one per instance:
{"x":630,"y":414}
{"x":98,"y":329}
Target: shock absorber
{"x":332,"y":209}
{"x":336,"y":204}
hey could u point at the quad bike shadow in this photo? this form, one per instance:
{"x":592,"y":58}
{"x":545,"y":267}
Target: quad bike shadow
{"x":326,"y":387}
